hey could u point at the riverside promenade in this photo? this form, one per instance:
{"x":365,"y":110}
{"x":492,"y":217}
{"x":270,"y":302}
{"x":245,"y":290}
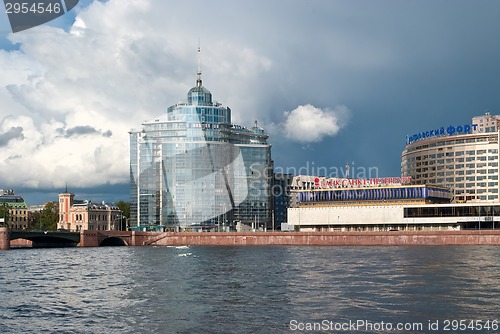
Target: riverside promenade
{"x":388,"y":238}
{"x":392,"y":238}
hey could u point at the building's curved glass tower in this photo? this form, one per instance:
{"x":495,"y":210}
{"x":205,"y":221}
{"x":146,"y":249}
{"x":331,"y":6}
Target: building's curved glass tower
{"x":191,"y":167}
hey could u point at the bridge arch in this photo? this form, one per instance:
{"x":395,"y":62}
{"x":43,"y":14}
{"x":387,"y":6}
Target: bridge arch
{"x":113,"y":241}
{"x":44,"y":239}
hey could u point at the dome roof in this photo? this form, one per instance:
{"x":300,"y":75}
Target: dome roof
{"x":199,"y":90}
{"x":199,"y":95}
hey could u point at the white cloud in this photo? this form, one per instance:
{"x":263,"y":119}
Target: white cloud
{"x":69,"y":98}
{"x":307,"y":123}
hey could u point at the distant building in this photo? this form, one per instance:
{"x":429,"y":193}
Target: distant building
{"x":78,"y":215}
{"x":463,"y":158}
{"x":486,"y":123}
{"x":281,"y":197}
{"x":16,"y":213}
{"x":191,"y":168}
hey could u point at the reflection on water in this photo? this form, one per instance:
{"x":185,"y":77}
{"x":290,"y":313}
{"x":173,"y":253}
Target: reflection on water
{"x":242,"y":289}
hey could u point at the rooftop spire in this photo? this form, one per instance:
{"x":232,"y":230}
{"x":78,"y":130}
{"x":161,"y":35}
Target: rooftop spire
{"x":198,"y":74}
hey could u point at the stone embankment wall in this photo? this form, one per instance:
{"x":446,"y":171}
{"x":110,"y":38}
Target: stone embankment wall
{"x":328,"y":238}
{"x":129,"y":238}
{"x":4,"y":238}
{"x":21,"y":243}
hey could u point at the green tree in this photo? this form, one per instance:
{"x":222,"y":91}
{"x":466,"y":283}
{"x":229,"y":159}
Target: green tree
{"x":34,"y":223}
{"x":49,"y":216}
{"x":125,"y":207}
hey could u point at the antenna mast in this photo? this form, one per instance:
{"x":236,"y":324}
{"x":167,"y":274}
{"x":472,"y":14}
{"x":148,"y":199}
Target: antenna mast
{"x":198,"y":73}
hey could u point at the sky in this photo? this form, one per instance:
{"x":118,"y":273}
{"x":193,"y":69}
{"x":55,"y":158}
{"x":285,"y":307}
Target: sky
{"x":331,"y":82}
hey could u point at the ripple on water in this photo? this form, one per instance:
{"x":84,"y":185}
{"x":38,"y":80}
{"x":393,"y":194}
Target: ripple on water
{"x":241,"y":289}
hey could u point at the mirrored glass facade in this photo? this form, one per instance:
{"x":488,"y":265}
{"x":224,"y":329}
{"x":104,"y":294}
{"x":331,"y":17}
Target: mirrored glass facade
{"x":191,"y":167}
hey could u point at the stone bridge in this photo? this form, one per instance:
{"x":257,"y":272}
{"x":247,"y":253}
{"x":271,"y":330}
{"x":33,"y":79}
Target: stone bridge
{"x":85,"y":238}
{"x":41,"y":239}
{"x":117,"y":238}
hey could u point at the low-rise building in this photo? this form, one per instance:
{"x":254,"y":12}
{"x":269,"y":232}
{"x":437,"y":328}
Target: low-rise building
{"x":381,"y":204}
{"x":78,"y":215}
{"x":15,"y":211}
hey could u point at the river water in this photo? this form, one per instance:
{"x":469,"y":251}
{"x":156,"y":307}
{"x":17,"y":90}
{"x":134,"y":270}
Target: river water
{"x":277,"y":289}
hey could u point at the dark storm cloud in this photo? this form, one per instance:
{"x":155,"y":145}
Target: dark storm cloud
{"x":12,"y":133}
{"x":84,"y":130}
{"x":109,"y":193}
{"x":399,"y":66}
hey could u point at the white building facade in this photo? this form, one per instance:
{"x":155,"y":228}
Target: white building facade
{"x":463,"y":158}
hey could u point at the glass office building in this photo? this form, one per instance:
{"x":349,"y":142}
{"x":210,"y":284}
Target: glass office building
{"x":192,"y":168}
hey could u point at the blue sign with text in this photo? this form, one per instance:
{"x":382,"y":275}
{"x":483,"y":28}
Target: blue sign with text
{"x":449,"y":131}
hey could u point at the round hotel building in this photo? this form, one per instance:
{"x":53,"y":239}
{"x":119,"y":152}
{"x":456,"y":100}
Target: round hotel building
{"x":463,"y":158}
